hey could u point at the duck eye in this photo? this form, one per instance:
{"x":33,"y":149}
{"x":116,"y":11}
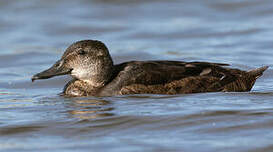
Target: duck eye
{"x":82,"y":52}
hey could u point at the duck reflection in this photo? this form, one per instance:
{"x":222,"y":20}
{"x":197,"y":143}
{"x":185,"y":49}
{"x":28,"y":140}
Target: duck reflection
{"x":91,"y":109}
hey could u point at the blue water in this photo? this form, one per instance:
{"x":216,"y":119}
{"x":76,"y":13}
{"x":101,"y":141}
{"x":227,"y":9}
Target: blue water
{"x":35,"y":33}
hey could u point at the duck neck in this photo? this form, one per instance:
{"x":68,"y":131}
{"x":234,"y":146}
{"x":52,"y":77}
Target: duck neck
{"x":101,"y":74}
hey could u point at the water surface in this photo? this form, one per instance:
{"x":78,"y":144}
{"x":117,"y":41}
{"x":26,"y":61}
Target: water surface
{"x":35,"y":33}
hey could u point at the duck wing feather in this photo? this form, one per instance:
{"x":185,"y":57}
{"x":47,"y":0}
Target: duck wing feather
{"x":160,"y":73}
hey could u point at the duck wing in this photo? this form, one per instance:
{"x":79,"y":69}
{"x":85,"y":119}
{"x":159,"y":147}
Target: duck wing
{"x":152,"y":73}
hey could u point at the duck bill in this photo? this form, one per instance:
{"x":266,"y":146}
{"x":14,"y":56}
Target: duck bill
{"x":56,"y":70}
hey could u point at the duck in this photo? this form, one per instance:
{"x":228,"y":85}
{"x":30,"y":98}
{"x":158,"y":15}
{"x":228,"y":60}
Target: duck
{"x":94,"y":74}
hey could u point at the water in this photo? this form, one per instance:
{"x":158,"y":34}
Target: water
{"x":35,"y":33}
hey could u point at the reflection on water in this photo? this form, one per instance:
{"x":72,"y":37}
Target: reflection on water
{"x":35,"y":33}
{"x":91,"y":109}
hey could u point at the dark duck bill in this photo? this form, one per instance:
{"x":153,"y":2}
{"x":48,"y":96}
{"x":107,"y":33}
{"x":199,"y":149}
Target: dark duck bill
{"x":57,"y":69}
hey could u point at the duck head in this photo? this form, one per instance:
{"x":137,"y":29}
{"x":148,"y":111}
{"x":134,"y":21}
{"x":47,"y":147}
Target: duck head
{"x":87,"y":60}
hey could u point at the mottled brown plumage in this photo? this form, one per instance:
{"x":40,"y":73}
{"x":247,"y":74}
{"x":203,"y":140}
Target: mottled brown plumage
{"x":90,"y":63}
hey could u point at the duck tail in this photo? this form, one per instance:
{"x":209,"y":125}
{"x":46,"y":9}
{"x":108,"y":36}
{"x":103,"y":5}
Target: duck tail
{"x":256,"y":73}
{"x":246,"y":81}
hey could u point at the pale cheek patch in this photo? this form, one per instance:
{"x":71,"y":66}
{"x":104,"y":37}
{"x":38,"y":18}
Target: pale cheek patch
{"x":80,"y":70}
{"x":80,"y":73}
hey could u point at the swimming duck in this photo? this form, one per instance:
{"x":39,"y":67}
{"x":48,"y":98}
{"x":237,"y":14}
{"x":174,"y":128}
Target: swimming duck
{"x":94,"y":74}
